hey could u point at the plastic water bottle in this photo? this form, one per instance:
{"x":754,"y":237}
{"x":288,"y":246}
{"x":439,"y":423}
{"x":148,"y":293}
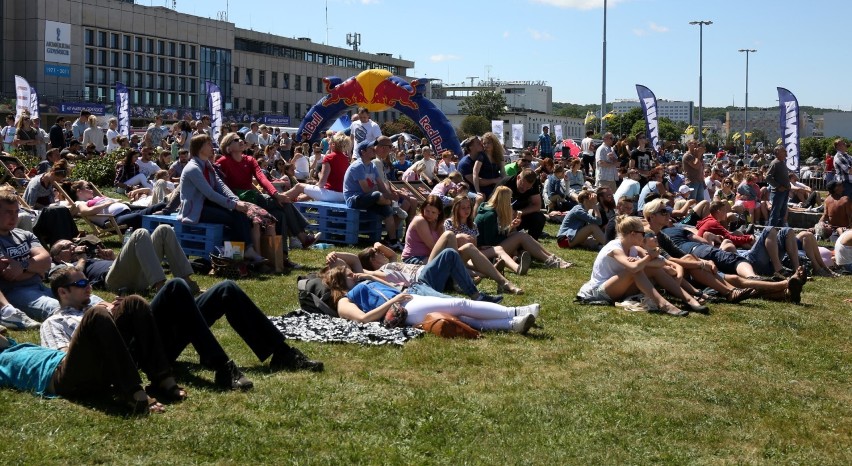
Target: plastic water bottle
{"x":321,"y":246}
{"x":127,"y":236}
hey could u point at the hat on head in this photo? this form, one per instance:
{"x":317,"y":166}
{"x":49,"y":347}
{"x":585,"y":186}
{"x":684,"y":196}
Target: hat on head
{"x":365,"y":145}
{"x":684,"y":189}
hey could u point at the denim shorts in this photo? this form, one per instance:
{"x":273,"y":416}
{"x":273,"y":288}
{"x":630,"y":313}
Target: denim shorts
{"x":758,"y":256}
{"x":589,"y":292}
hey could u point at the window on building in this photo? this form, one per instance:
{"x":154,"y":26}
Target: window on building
{"x":137,"y":95}
{"x":182,"y":51}
{"x":191,"y":69}
{"x":127,"y":42}
{"x":249,"y":76}
{"x":114,"y":60}
{"x":128,"y":63}
{"x":102,"y":58}
{"x":90,"y":56}
{"x":115,"y":76}
{"x":273,"y":106}
{"x":138,"y":47}
{"x":149,"y":45}
{"x":137,"y":80}
{"x":171,"y":68}
{"x":236,"y":75}
{"x":149,"y":64}
{"x":261,"y":78}
{"x":298,"y":111}
{"x":285,"y":108}
{"x":114,"y":41}
{"x":140,"y":62}
{"x":161,"y":65}
{"x":172,"y":47}
{"x":261,"y":105}
{"x":192,"y":85}
{"x":181,"y":67}
{"x":181,"y":84}
{"x":172,"y":85}
{"x":320,"y":86}
{"x":89,"y":37}
{"x":286,"y":80}
{"x":102,"y":39}
{"x":309,"y":84}
{"x":236,"y":103}
{"x":161,"y":47}
{"x":192,"y":52}
{"x":125,"y":78}
{"x":149,"y":81}
{"x":275,"y":79}
{"x":88,"y":74}
{"x":248,"y":105}
{"x":297,"y":82}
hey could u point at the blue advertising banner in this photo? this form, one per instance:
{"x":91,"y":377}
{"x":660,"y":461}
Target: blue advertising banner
{"x":77,"y":107}
{"x":649,"y":108}
{"x":789,"y":116}
{"x":62,"y":71}
{"x":122,"y":108}
{"x":276,"y":120}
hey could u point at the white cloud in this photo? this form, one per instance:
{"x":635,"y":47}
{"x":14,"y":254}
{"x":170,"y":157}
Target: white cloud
{"x":657,"y":28}
{"x":578,"y":4}
{"x":444,"y":57}
{"x":640,"y":32}
{"x":368,"y":2}
{"x":539,"y":35}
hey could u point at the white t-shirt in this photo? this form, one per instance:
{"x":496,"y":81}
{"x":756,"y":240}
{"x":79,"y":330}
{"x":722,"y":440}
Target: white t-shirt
{"x":586,"y":146}
{"x":264,"y":141}
{"x":252,"y":138}
{"x":148,"y":168}
{"x":842,"y":254}
{"x":629,"y":188}
{"x":303,"y":168}
{"x":361,"y":132}
{"x":111,"y":146}
{"x":605,"y":266}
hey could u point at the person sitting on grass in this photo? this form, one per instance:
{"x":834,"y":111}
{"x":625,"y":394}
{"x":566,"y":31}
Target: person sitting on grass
{"x":618,"y":271}
{"x":371,"y":299}
{"x":362,"y":190}
{"x":498,"y":227}
{"x":581,"y":226}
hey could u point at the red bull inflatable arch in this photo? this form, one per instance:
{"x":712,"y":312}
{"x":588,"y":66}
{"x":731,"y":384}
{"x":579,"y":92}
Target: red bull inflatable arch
{"x":378,"y":90}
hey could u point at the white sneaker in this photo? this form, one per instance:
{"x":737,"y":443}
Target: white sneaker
{"x":531,"y":309}
{"x":522,"y":324}
{"x":524,"y":261}
{"x":15,"y":318}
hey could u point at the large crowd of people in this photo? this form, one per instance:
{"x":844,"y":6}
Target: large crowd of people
{"x":672,"y":232}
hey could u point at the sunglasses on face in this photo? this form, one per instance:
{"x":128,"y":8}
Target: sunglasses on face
{"x":81,"y":283}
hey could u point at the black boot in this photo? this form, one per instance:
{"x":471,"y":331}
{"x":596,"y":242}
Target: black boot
{"x":291,"y":359}
{"x":230,"y":377}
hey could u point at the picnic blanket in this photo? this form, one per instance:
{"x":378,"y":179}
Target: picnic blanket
{"x":304,"y":326}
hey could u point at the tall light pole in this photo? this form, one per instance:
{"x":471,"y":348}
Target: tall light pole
{"x":701,"y":25}
{"x":603,"y":73}
{"x":745,"y":120}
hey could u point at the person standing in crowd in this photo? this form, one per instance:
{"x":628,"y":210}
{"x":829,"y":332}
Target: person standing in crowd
{"x":843,"y":166}
{"x":80,"y":125}
{"x":545,"y":146}
{"x":363,"y":129}
{"x":778,"y":178}
{"x":606,"y":164}
{"x":587,"y":155}
{"x":693,"y":169}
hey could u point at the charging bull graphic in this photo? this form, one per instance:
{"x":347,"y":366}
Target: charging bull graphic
{"x":378,"y":90}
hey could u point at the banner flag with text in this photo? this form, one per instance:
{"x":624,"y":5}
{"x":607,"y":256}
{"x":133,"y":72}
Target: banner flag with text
{"x":649,"y":108}
{"x":789,"y":115}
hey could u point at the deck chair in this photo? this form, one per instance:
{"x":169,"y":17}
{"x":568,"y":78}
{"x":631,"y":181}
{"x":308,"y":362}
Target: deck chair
{"x":110,"y":226}
{"x":11,"y":163}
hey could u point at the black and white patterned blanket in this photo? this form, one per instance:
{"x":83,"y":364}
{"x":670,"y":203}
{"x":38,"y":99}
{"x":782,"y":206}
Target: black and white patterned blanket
{"x":304,"y":326}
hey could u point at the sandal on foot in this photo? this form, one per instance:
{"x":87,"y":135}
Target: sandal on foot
{"x":171,"y":394}
{"x":670,"y":310}
{"x":509,"y":288}
{"x":140,"y":403}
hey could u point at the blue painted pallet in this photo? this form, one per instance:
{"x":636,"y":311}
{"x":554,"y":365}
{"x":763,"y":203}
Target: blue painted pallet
{"x":198,"y":239}
{"x":340,"y":224}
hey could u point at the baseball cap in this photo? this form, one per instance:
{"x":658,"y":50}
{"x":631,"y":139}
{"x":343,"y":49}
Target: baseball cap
{"x":684,"y":189}
{"x":365,"y":145}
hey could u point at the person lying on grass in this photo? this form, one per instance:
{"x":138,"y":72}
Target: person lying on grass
{"x":371,"y":299}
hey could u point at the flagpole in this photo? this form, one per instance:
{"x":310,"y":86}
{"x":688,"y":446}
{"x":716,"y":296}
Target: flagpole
{"x":603,"y":73}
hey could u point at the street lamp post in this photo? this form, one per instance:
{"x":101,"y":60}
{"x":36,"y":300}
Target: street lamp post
{"x":745,"y":119}
{"x":701,"y":25}
{"x":603,"y":73}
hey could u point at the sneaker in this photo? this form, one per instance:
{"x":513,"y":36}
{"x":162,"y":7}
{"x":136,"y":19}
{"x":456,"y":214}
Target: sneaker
{"x":556,"y":262}
{"x":291,"y":359}
{"x":288,"y":264}
{"x":400,"y":213}
{"x":310,"y":240}
{"x":524,"y":261}
{"x":489,"y":298}
{"x":230,"y":377}
{"x":522,"y":324}
{"x":14,"y":318}
{"x":530,"y":309}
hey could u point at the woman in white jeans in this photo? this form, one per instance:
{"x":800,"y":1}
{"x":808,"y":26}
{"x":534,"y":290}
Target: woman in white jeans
{"x":127,"y":174}
{"x":369,"y":301}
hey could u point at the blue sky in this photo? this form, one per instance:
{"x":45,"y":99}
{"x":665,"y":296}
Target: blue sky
{"x":560,"y":41}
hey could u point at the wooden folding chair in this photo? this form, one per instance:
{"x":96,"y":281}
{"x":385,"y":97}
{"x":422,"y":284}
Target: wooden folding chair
{"x":110,"y":226}
{"x":11,"y":163}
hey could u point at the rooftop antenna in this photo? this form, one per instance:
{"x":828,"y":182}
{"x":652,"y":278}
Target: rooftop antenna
{"x":353,"y":39}
{"x":223,"y":15}
{"x":326,"y":22}
{"x":471,"y":79}
{"x":488,"y":72}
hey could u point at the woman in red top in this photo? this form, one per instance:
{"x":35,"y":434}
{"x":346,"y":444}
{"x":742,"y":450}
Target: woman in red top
{"x":329,"y":188}
{"x":238,"y":171}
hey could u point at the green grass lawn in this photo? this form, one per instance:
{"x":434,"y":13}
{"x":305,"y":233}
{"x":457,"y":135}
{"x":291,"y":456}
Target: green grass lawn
{"x":759,"y":382}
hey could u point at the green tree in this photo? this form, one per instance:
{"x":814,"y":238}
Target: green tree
{"x":402,"y":125}
{"x":623,"y":123}
{"x":487,"y":104}
{"x":669,"y":130}
{"x":474,"y":125}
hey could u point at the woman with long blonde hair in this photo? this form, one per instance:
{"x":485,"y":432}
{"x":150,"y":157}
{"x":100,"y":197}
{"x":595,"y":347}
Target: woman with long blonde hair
{"x":498,"y":227}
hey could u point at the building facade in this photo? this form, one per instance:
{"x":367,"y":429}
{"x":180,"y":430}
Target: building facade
{"x":73,"y":52}
{"x":674,"y":110}
{"x":767,"y":121}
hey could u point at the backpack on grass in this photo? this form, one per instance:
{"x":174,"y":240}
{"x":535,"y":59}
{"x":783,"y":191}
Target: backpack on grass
{"x":314,"y":296}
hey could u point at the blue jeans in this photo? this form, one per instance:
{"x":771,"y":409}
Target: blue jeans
{"x":36,"y":300}
{"x":367,"y":201}
{"x":437,"y":273}
{"x":779,"y":208}
{"x":758,"y":256}
{"x":698,"y":193}
{"x":237,"y":222}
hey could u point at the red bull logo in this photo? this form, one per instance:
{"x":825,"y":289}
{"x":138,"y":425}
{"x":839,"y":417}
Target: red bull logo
{"x":391,"y":93}
{"x":350,"y":92}
{"x":311,"y":126}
